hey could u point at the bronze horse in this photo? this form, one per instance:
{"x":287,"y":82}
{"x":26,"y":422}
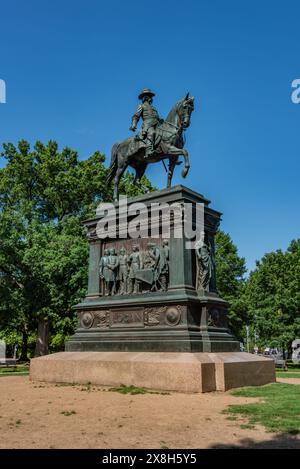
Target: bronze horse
{"x":169,"y":145}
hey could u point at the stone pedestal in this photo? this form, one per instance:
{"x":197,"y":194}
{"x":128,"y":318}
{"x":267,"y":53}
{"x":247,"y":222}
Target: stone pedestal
{"x":183,"y":318}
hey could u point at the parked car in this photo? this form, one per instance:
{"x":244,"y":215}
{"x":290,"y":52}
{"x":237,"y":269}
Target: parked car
{"x":272,"y":353}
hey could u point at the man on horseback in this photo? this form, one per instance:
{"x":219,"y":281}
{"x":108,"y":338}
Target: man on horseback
{"x":150,"y":120}
{"x":166,"y":141}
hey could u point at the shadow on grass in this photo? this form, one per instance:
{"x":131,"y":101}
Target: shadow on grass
{"x":282,"y":441}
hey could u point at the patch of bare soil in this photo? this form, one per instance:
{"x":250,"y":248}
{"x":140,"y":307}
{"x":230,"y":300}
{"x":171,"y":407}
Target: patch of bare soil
{"x":288,"y":380}
{"x":36,"y":415}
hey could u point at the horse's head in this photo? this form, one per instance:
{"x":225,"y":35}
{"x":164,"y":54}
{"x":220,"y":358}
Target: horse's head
{"x":184,"y":110}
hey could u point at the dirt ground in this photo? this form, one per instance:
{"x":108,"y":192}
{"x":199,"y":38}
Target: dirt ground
{"x":50,"y":416}
{"x":288,"y":380}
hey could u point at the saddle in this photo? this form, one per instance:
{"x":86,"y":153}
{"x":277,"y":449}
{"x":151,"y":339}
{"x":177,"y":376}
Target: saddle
{"x":162,"y":137}
{"x":137,"y":143}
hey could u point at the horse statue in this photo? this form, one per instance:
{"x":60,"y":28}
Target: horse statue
{"x":168,"y":145}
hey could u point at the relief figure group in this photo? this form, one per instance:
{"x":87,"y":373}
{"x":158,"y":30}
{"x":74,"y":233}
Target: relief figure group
{"x":131,"y":273}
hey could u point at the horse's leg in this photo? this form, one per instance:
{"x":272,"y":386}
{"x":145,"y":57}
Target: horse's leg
{"x":139,"y":173}
{"x":118,"y":176}
{"x":137,"y":176}
{"x":174,"y":151}
{"x":172,"y":164}
{"x":186,"y":163}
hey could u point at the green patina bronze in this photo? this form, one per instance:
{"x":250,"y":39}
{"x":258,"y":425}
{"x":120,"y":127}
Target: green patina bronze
{"x":154,"y":294}
{"x":158,"y":140}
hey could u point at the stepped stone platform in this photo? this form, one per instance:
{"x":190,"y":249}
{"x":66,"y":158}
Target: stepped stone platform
{"x":165,"y":371}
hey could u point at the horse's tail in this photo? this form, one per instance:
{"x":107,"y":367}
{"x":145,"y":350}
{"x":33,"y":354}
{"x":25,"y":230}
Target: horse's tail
{"x":113,"y":164}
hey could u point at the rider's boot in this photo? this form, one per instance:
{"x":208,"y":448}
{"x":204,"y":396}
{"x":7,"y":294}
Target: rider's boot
{"x":147,"y":152}
{"x":141,"y":136}
{"x":150,"y":150}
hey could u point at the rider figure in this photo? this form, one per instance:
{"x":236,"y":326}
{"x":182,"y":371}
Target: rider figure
{"x":150,"y":120}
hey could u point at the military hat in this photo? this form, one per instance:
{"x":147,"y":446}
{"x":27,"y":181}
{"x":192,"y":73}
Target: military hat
{"x":146,"y":92}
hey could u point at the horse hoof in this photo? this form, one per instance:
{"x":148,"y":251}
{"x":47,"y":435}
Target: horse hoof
{"x":184,"y":172}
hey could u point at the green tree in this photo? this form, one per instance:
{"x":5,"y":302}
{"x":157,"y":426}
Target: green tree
{"x":230,"y":271}
{"x":273,"y":297}
{"x":44,"y":195}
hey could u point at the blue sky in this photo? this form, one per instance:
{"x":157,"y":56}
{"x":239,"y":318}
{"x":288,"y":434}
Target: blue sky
{"x":73,"y":70}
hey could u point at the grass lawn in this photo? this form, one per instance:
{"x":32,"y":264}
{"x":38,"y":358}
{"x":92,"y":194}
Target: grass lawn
{"x":288,"y":374}
{"x":278,"y":411}
{"x":14,"y":370}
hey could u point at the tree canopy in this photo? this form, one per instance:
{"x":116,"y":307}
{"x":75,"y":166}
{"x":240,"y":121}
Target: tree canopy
{"x":273,"y":297}
{"x":230,"y":271}
{"x":44,"y":195}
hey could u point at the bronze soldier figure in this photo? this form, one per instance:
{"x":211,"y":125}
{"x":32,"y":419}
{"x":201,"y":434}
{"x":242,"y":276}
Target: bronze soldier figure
{"x":135,"y":264}
{"x":123,"y":271}
{"x":155,"y":256}
{"x":103,"y":271}
{"x":159,"y":263}
{"x":205,"y":261}
{"x":150,"y":117}
{"x":112,"y":266}
{"x":164,"y":273}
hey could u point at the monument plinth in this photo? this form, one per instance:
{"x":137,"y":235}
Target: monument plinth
{"x":152,"y":315}
{"x":162,"y":307}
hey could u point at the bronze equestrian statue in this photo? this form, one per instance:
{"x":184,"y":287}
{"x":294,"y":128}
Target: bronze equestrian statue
{"x":158,"y":140}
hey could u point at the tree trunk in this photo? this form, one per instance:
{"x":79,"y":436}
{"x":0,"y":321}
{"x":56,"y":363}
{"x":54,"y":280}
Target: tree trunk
{"x":41,"y":347}
{"x":24,"y":349}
